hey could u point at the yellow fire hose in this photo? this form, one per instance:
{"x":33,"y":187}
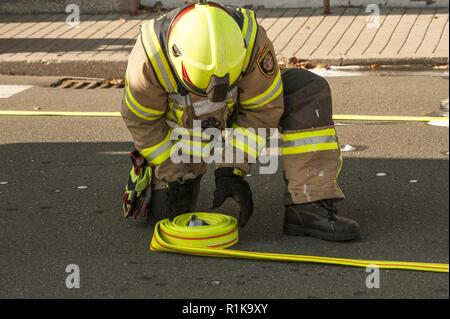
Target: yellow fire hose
{"x":341,"y":117}
{"x":221,"y":232}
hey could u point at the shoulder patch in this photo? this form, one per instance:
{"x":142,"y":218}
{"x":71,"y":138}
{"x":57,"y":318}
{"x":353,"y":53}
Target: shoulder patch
{"x":266,"y":62}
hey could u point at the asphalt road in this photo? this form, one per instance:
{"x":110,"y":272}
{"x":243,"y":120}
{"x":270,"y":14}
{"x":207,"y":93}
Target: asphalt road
{"x":48,"y":223}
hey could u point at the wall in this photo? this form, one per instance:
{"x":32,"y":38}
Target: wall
{"x":59,"y":6}
{"x":314,"y":3}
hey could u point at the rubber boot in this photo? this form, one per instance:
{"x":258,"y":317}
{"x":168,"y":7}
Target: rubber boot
{"x":319,"y":219}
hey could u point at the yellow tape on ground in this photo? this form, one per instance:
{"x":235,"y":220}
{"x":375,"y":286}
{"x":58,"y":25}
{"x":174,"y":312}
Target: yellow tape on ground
{"x":341,"y":117}
{"x":222,"y":232}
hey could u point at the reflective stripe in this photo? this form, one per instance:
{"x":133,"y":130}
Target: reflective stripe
{"x":312,"y":141}
{"x":171,"y":119}
{"x":206,"y":106}
{"x":300,"y":135}
{"x":309,"y":140}
{"x":157,"y":58}
{"x":160,"y":152}
{"x":241,"y":138}
{"x":267,"y":96}
{"x":309,"y":148}
{"x":191,"y":141}
{"x":249,"y":30}
{"x":193,"y":147}
{"x":180,"y":100}
{"x":244,"y":147}
{"x":138,"y":109}
{"x":242,"y":131}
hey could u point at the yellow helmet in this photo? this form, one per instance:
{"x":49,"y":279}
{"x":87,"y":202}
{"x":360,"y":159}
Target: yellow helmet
{"x":207,"y":50}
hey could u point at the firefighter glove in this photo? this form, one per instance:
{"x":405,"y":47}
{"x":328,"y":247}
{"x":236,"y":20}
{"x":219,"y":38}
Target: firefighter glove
{"x":231,"y":183}
{"x":137,"y":195}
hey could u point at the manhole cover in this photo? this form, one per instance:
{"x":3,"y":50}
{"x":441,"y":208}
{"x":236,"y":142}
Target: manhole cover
{"x":70,"y":83}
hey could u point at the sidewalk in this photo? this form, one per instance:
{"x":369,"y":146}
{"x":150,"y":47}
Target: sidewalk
{"x":99,"y":47}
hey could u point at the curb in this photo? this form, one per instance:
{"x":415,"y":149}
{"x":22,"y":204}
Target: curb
{"x":109,"y":69}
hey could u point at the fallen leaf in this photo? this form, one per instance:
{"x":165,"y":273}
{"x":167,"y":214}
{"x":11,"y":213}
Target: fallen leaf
{"x":215,"y":282}
{"x":115,"y":81}
{"x":322,"y":66}
{"x":293,"y":60}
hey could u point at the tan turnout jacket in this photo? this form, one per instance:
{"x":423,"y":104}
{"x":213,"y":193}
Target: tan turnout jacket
{"x":150,"y":112}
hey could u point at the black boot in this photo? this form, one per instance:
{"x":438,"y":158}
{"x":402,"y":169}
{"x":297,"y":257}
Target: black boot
{"x":319,"y":219}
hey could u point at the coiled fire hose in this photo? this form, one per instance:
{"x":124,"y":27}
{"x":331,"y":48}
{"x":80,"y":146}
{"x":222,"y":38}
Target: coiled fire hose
{"x":219,"y":232}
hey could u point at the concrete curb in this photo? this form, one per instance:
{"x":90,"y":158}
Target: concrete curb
{"x":115,"y":68}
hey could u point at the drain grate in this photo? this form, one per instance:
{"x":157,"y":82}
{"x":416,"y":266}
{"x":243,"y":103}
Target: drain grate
{"x":71,"y":83}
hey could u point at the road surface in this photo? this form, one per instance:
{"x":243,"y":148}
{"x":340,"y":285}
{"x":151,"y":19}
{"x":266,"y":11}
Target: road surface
{"x":61,"y":182}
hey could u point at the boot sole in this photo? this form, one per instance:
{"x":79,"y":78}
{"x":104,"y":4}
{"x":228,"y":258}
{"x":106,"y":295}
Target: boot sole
{"x":295,"y":230}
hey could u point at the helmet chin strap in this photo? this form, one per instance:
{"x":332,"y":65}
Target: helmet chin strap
{"x":218,"y":88}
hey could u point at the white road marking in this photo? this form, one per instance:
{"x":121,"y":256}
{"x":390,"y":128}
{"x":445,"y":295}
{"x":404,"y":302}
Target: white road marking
{"x":350,"y":72}
{"x":333,"y":73}
{"x":7,"y":91}
{"x":443,"y":123}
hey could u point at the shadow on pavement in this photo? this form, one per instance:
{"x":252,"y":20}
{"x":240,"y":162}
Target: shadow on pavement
{"x":60,"y":203}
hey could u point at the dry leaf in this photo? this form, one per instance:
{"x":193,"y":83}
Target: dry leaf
{"x":114,"y":81}
{"x":322,"y":66}
{"x":293,"y":60}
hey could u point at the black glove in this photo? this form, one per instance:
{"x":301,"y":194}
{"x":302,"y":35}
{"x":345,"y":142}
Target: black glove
{"x":181,"y":196}
{"x":232,"y":185}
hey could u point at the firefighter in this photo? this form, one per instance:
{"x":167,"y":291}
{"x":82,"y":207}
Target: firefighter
{"x":215,"y":64}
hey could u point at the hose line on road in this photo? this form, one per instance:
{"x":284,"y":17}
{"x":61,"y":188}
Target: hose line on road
{"x":221,"y":232}
{"x":341,"y":117}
